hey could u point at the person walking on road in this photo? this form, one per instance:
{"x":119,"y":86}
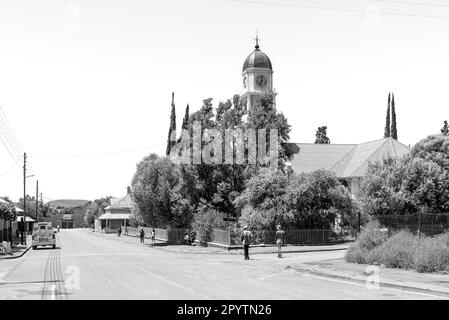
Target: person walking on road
{"x":153,"y":237}
{"x":280,"y":238}
{"x":142,"y":235}
{"x":119,"y":231}
{"x":246,"y":239}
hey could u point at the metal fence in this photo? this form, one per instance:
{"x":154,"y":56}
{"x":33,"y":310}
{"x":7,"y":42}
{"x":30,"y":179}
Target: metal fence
{"x":172,"y":236}
{"x":221,"y":236}
{"x":428,"y":224}
{"x":295,"y":237}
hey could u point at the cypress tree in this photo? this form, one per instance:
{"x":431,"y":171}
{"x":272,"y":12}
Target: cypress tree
{"x":321,"y":135}
{"x":394,"y":131}
{"x":172,"y":130}
{"x":387,"y":122}
{"x":185,"y":123}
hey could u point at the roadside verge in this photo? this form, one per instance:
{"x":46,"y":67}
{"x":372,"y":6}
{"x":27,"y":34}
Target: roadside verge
{"x":378,"y":276}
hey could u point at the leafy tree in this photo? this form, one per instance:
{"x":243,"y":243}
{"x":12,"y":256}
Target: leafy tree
{"x":30,"y":206}
{"x":394,"y":130}
{"x":7,"y":210}
{"x":151,"y":184}
{"x":309,"y":200}
{"x":420,"y":182}
{"x":321,"y":135}
{"x":263,"y":202}
{"x":95,"y":209}
{"x":318,"y":198}
{"x":171,"y":141}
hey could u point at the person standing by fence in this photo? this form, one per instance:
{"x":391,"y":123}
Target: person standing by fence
{"x":153,"y":237}
{"x":280,"y":238}
{"x":142,"y":235}
{"x":246,"y":238}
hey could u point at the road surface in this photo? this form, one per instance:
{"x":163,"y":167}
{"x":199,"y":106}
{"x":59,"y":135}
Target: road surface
{"x":92,"y":266}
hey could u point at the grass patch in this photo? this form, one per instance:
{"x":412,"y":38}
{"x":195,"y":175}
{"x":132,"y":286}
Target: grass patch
{"x":401,"y":250}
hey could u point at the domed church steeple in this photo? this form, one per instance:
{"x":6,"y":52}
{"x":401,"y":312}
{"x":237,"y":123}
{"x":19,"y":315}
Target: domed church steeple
{"x":257,"y":76}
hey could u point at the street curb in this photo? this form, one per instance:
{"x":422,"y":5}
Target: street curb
{"x":381,"y":284}
{"x":18,"y":256}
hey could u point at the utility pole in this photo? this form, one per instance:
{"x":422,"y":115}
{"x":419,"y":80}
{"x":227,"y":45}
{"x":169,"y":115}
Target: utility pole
{"x":37,"y":199}
{"x":23,"y":240}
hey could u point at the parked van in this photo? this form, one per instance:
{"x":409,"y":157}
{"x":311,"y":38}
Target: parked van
{"x":43,"y":235}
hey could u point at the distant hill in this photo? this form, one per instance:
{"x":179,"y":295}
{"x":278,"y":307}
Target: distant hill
{"x":67,"y":203}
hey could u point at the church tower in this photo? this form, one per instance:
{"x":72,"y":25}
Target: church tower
{"x":257,"y":77}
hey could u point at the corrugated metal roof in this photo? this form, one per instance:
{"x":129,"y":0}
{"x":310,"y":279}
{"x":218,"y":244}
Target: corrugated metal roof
{"x":114,"y":216}
{"x":346,"y":160}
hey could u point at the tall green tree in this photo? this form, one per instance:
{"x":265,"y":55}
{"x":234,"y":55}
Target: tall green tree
{"x":321,"y":136}
{"x":95,"y":209}
{"x":155,"y":177}
{"x":387,"y":130}
{"x":394,"y":130}
{"x":171,"y":140}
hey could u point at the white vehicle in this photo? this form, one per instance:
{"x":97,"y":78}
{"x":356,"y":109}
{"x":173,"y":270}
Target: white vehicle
{"x":43,"y":235}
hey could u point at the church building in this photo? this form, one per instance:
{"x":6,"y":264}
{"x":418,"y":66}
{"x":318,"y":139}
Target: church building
{"x":348,"y":161}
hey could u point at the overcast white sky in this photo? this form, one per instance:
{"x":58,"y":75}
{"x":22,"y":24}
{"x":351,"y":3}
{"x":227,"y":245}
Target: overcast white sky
{"x":89,"y":77}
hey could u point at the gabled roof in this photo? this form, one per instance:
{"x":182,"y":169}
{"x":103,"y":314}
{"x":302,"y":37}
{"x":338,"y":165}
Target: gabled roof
{"x":346,"y":160}
{"x":124,"y":202}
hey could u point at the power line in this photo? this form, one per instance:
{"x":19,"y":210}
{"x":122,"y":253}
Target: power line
{"x":11,"y":132}
{"x":8,"y":171}
{"x":416,"y":3}
{"x":338,"y":9}
{"x":9,"y":139}
{"x":97,"y":154}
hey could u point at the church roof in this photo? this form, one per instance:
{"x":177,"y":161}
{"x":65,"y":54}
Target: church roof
{"x":257,"y":59}
{"x":346,"y":160}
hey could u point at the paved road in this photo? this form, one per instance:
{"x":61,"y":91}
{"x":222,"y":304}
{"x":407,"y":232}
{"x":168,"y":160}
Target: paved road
{"x":108,"y":268}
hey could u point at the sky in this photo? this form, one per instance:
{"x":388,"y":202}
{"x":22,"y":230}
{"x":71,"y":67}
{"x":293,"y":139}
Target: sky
{"x":86,"y":85}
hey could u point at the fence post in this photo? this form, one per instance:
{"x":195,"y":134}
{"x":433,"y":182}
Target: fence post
{"x":419,"y":223}
{"x":358,"y":222}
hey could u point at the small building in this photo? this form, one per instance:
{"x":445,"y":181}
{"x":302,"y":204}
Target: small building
{"x":349,"y":162}
{"x":116,"y":215}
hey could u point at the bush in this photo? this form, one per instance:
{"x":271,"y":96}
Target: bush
{"x":206,"y":219}
{"x":370,"y":237}
{"x":433,"y":254}
{"x":397,"y":252}
{"x":402,"y":250}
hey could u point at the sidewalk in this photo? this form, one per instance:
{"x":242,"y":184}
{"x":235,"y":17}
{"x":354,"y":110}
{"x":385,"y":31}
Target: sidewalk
{"x":254,"y":249}
{"x":222,"y":249}
{"x":19,"y":250}
{"x":430,"y":283}
{"x":128,"y":238}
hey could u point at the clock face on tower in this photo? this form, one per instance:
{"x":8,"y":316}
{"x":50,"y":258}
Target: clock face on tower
{"x":261,"y":80}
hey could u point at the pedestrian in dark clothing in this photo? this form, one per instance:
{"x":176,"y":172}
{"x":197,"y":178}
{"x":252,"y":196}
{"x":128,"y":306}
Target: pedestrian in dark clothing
{"x":142,"y":236}
{"x":17,"y":233}
{"x":153,"y":237}
{"x":119,"y":231}
{"x":280,"y":238}
{"x":246,"y":239}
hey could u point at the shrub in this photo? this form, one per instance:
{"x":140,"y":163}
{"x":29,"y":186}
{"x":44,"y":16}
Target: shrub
{"x":397,"y":252}
{"x":370,"y":237}
{"x":433,"y":254}
{"x":206,"y":219}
